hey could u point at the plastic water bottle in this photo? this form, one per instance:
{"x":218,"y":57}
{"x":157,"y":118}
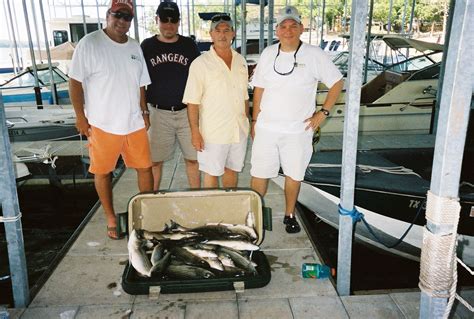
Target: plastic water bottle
{"x":316,"y":271}
{"x":4,"y":314}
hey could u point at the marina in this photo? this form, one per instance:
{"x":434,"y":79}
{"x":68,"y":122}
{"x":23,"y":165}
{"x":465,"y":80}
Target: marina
{"x":386,"y":203}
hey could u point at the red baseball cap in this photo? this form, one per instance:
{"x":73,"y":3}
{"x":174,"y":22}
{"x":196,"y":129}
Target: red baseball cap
{"x":117,"y":5}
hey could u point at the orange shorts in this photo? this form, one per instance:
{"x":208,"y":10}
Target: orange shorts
{"x":105,"y":149}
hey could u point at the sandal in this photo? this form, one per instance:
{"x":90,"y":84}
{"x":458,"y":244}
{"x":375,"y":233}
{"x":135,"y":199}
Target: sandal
{"x":112,"y":230}
{"x":292,"y":225}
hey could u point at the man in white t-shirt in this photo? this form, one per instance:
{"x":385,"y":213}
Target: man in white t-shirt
{"x":284,"y":116}
{"x":108,"y":76}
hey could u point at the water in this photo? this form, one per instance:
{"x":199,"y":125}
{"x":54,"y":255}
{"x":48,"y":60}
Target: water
{"x":50,"y":216}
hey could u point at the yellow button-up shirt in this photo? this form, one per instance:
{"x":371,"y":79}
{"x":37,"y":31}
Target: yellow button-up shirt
{"x":220,"y":93}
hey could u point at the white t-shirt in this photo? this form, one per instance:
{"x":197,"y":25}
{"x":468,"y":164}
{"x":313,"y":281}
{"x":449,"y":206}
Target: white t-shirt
{"x":111,"y":74}
{"x":289,"y":100}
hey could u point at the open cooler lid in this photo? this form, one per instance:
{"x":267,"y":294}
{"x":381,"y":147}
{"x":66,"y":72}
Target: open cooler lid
{"x":193,"y":208}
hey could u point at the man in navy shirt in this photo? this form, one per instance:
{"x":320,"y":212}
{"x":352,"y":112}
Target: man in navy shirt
{"x":168,"y":56}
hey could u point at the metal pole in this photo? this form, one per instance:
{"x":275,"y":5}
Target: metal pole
{"x":135,"y":21}
{"x":15,"y":44}
{"x":344,"y":22}
{"x":11,"y":210}
{"x":270,"y":22}
{"x":84,"y":24}
{"x":48,"y":55}
{"x":234,"y":13}
{"x":189,"y":18}
{"x":450,"y":138}
{"x":243,"y":31}
{"x":98,"y":14}
{"x":181,"y":18}
{"x":389,"y":22}
{"x":349,"y":146}
{"x":192,"y":16}
{"x":261,"y":40}
{"x":369,"y":33}
{"x":310,"y":19}
{"x":404,"y":16}
{"x":322,"y":21}
{"x":39,"y":100}
{"x":38,"y":44}
{"x":19,"y":38}
{"x":411,"y":16}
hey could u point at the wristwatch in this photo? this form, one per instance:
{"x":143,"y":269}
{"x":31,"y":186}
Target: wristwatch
{"x":325,"y":112}
{"x":145,"y":112}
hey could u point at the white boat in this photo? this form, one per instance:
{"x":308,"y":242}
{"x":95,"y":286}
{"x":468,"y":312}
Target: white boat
{"x":32,"y":124}
{"x":19,"y":90}
{"x":390,"y":191}
{"x":400,"y":100}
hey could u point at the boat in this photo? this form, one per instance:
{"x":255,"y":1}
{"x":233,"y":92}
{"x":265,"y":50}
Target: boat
{"x":390,"y":191}
{"x":32,"y":124}
{"x":19,"y":89}
{"x":399,"y":100}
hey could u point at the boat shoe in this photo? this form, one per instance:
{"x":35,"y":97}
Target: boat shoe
{"x":292,"y":225}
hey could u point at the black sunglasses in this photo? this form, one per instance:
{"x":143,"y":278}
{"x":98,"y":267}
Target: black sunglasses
{"x":220,"y":17}
{"x":165,"y":19}
{"x":121,"y":15}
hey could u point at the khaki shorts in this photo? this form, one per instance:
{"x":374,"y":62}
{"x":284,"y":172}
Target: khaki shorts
{"x":216,"y":157}
{"x":167,"y":130}
{"x":105,"y":149}
{"x":271,"y":149}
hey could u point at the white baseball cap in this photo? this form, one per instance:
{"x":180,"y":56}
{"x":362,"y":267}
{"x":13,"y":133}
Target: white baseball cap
{"x":288,"y":12}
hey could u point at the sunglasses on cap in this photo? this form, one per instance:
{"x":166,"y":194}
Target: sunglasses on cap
{"x":165,"y":19}
{"x":220,"y":17}
{"x":121,"y":15}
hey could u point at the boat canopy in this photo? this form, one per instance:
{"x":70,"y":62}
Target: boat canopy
{"x":396,"y":42}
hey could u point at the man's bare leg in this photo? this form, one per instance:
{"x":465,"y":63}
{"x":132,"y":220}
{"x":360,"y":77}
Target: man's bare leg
{"x":194,"y":175}
{"x":103,"y":186}
{"x":157,"y":170}
{"x":259,"y":185}
{"x":292,"y":189}
{"x":145,"y":179}
{"x":210,"y":181}
{"x":230,"y":178}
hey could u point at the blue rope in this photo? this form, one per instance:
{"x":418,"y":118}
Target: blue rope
{"x":358,"y":216}
{"x":354,"y":213}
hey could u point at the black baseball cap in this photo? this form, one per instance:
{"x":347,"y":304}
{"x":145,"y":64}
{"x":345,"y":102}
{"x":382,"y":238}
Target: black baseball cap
{"x":168,"y":9}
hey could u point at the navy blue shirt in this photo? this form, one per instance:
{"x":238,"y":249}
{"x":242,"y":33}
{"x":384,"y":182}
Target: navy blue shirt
{"x":168,"y":66}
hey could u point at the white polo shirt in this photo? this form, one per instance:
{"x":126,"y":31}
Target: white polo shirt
{"x":111,"y":74}
{"x":220,"y":93}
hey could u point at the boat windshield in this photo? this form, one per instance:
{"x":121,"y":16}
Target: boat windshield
{"x":27,"y":79}
{"x":417,"y":63}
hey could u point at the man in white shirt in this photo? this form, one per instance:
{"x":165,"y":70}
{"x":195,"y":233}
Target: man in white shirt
{"x":217,"y":98}
{"x":108,"y":76}
{"x":284,"y":116}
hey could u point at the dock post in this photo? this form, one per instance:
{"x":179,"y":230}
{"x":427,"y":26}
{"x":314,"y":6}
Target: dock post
{"x":349,"y":146}
{"x":12,"y":218}
{"x":437,"y":291}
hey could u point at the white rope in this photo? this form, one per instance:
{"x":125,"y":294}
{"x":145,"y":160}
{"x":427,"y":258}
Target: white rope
{"x":466,"y":267}
{"x":10,"y":219}
{"x":465,"y":303}
{"x":397,"y":170}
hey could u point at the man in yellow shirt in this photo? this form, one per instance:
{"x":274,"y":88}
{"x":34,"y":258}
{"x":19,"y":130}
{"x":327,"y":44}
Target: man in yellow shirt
{"x":217,"y":99}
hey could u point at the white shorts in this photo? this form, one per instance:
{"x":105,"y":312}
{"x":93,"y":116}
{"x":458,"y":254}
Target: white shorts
{"x":215,"y":157}
{"x":271,"y":149}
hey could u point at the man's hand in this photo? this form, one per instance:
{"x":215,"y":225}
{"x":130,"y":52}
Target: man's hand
{"x":315,"y":121}
{"x":82,"y":125}
{"x":146,"y":118}
{"x":197,"y":141}
{"x":252,"y":129}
